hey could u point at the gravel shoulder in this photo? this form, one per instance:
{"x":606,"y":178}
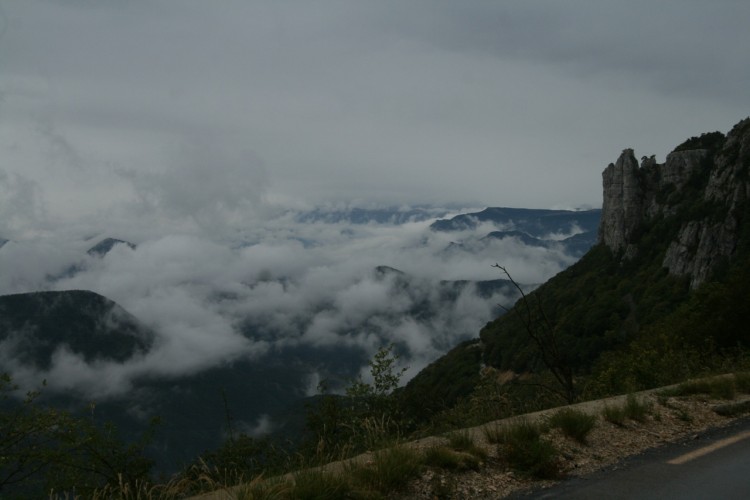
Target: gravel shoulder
{"x":669,"y":420}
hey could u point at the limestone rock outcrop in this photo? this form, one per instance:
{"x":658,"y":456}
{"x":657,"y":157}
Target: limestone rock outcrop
{"x":623,"y":200}
{"x":701,"y":189}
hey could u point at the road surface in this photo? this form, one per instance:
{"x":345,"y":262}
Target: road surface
{"x":713,"y":465}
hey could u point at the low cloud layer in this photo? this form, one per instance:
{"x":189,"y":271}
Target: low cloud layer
{"x":281,"y":285}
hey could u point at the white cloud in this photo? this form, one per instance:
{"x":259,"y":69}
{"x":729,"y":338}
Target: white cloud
{"x":299,"y":285}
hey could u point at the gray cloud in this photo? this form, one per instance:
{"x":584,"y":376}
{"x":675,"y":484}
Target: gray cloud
{"x":21,"y":205}
{"x":500,"y":104}
{"x":280,"y":285}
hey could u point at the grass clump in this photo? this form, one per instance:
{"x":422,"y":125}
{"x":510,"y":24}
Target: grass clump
{"x":633,"y":409}
{"x":742,"y":382}
{"x":717,"y":388}
{"x":526,"y":452}
{"x":614,"y":415}
{"x":316,"y":484}
{"x":733,"y":409}
{"x":636,"y":409}
{"x":464,"y":441}
{"x":260,"y":489}
{"x":443,"y":457}
{"x":390,"y":470}
{"x":494,"y":433}
{"x":573,"y":423}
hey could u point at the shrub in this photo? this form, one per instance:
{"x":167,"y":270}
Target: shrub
{"x":537,"y":459}
{"x":260,"y":489}
{"x":636,"y":409}
{"x":733,"y":409}
{"x":317,"y":484}
{"x":742,"y":382}
{"x":494,"y":433}
{"x":573,"y":423}
{"x":463,"y":441}
{"x":390,"y":470}
{"x":718,"y":388}
{"x":722,"y":388}
{"x":614,"y":415}
{"x":44,"y":449}
{"x":527,"y":453}
{"x":445,"y":458}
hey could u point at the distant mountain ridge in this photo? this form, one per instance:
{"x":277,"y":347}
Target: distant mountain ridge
{"x":530,"y":227}
{"x":384,"y":215}
{"x":535,"y":222}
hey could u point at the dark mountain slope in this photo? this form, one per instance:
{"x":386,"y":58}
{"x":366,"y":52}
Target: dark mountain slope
{"x":34,"y":325}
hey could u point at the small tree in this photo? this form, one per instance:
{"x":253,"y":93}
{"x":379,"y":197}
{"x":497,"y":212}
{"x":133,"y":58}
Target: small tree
{"x":44,"y":449}
{"x":368,"y":414}
{"x":385,"y":378}
{"x":543,"y":334}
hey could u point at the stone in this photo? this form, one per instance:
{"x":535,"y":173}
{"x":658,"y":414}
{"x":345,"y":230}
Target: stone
{"x":635,"y":194}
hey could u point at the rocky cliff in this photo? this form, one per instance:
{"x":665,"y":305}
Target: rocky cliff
{"x":703,"y":186}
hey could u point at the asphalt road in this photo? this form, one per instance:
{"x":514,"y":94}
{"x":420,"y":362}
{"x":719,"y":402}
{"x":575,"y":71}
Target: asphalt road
{"x":714,"y":465}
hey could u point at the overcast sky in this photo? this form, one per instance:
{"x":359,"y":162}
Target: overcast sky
{"x":212,"y":111}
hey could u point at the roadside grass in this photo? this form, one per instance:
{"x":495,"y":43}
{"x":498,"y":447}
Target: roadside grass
{"x":526,"y":452}
{"x":716,"y":388}
{"x":313,"y":483}
{"x":614,"y":414}
{"x":493,"y":433}
{"x":733,"y":410}
{"x":742,"y":381}
{"x":443,"y":457}
{"x":463,"y":441}
{"x":139,"y":490}
{"x":260,"y":489}
{"x":678,"y":411}
{"x":633,"y":409}
{"x":636,"y":409}
{"x":573,"y":423}
{"x":389,"y":470}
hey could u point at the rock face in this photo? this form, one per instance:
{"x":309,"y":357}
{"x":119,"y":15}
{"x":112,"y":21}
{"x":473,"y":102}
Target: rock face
{"x":623,"y":200}
{"x":701,"y":188}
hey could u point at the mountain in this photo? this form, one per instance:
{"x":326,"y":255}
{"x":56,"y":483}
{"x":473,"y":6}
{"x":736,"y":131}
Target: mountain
{"x":385,"y":215}
{"x":100,"y":250}
{"x":33,"y":326}
{"x":534,"y":222}
{"x":574,"y":232}
{"x":106,"y":245}
{"x":662,"y":295}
